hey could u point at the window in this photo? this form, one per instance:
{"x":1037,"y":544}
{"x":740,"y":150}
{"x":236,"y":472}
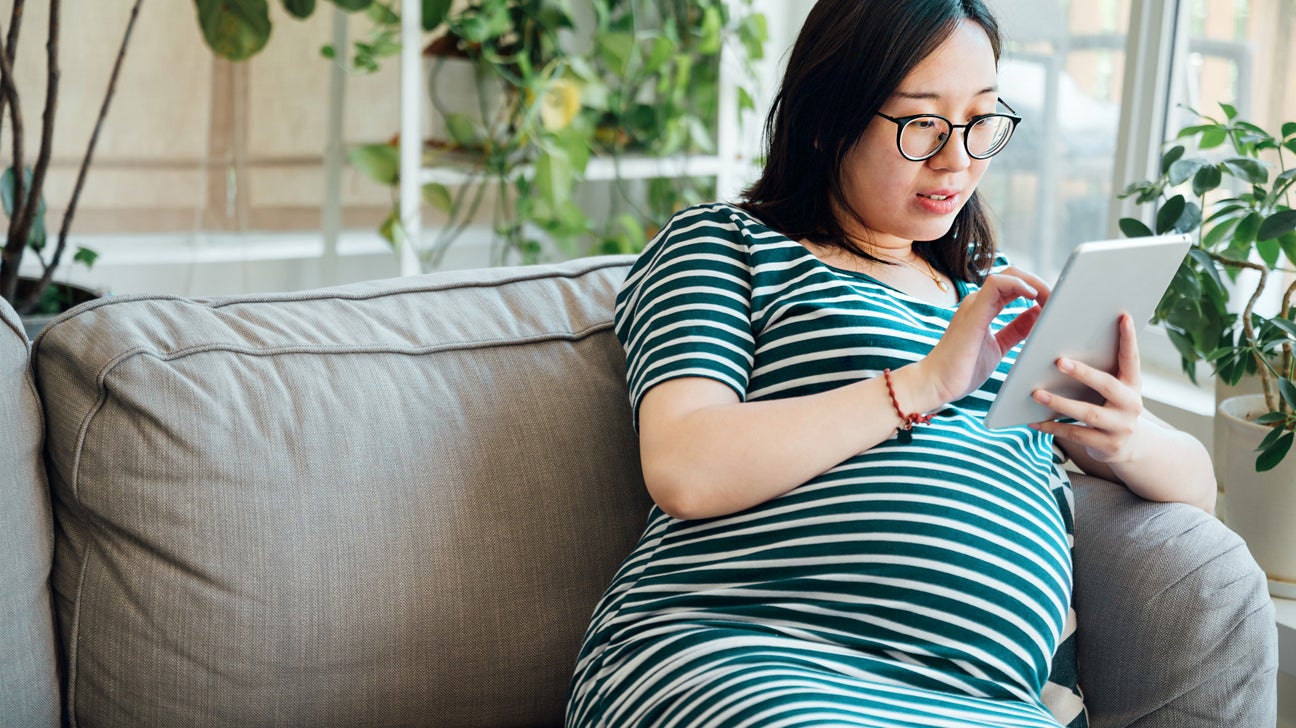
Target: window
{"x":1062,"y":68}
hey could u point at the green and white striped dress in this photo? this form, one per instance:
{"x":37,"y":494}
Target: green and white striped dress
{"x":925,"y":583}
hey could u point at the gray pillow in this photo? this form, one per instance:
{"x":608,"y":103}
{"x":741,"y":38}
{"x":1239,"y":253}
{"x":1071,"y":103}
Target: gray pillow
{"x":390,"y":503}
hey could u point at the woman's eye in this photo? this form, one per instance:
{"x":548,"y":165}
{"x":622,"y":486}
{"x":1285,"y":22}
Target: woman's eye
{"x":924,"y":124}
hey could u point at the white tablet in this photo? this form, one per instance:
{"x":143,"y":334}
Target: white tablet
{"x":1100,"y":281}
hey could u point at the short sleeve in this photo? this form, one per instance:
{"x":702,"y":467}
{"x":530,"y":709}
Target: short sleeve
{"x":685,"y":307}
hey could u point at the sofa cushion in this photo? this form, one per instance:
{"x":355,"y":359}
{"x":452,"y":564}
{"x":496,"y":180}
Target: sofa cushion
{"x":388,"y":503}
{"x":1176,"y":626}
{"x":28,"y":666}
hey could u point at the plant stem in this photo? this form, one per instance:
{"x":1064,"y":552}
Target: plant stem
{"x":52,"y":75}
{"x":11,"y":46}
{"x":1285,"y":363}
{"x":90,"y":148}
{"x":1262,"y":366}
{"x":14,"y":243}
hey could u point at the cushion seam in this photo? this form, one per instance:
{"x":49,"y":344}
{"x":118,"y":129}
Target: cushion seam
{"x":334,"y":295}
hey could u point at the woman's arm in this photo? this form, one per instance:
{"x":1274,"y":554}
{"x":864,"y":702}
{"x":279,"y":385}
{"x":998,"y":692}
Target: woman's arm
{"x":1122,"y":442}
{"x":707,"y":454}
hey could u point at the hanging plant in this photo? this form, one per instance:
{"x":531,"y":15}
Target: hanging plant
{"x":647,"y":85}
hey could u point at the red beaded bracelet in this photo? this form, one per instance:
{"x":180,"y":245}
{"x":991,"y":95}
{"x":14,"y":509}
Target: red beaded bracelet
{"x":907,"y":421}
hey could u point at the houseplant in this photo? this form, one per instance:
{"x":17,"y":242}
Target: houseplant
{"x":646,"y":85}
{"x":1210,"y":310}
{"x":1235,"y":193}
{"x":22,"y":187}
{"x":234,"y":29}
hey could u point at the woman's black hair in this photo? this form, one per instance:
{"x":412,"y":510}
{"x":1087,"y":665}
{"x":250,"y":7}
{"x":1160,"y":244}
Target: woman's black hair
{"x":848,"y":59}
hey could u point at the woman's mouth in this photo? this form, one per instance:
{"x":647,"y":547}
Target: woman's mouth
{"x":942,"y":202}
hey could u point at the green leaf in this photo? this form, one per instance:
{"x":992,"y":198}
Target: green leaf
{"x":299,"y":8}
{"x":553,"y":178}
{"x":1184,"y":169}
{"x":1169,"y":214}
{"x":1274,"y":453}
{"x":391,"y":229}
{"x":463,"y":130}
{"x":1220,"y":232}
{"x":1212,"y":138}
{"x":745,"y":101}
{"x":753,"y":32}
{"x":1288,"y":391}
{"x":1249,"y":170}
{"x":1206,"y":179}
{"x":1277,"y":224}
{"x":379,"y":162}
{"x":37,"y":237}
{"x":616,"y":50}
{"x":434,"y":13}
{"x":1171,"y":156}
{"x":7,"y":189}
{"x":1269,"y":252}
{"x":438,"y":196}
{"x":1207,"y":265}
{"x":1186,"y":284}
{"x":1272,"y":418}
{"x":1288,"y":243}
{"x":1188,"y":131}
{"x":1246,"y":231}
{"x":1289,"y":129}
{"x":85,"y":256}
{"x":662,"y":50}
{"x":234,"y":29}
{"x":1189,"y":219}
{"x":710,"y":32}
{"x":1230,"y":112}
{"x":1134,"y":228}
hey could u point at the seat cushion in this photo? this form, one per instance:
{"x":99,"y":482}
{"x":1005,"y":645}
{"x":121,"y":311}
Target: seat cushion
{"x":28,"y":667}
{"x":390,"y":503}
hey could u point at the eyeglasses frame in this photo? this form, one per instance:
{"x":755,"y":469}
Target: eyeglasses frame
{"x":902,"y":121}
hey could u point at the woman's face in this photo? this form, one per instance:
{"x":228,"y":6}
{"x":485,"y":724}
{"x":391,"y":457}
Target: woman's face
{"x":901,"y":201}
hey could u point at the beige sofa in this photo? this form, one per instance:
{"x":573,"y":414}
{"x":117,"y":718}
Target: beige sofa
{"x":395,"y":504}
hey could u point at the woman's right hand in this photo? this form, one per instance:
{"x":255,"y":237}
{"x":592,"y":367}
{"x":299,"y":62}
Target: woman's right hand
{"x":969,"y":351}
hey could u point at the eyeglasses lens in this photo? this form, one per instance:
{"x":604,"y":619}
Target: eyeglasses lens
{"x":924,"y":136}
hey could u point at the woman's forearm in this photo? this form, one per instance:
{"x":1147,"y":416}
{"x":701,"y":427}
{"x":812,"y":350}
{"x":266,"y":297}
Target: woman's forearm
{"x":705,"y":454}
{"x":1167,"y":465}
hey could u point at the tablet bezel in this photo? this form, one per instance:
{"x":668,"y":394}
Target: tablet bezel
{"x":1100,"y":281}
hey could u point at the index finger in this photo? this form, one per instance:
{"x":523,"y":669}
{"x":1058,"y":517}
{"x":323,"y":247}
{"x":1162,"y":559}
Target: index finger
{"x":1042,"y":288}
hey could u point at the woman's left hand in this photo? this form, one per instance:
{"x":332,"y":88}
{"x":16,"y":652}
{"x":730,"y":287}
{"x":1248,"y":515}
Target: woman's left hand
{"x":1107,"y":431}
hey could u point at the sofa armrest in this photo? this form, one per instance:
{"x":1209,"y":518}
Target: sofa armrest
{"x":1175,"y":624}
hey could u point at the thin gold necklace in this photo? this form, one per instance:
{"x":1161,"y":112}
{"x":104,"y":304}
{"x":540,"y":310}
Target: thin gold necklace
{"x":930,"y":272}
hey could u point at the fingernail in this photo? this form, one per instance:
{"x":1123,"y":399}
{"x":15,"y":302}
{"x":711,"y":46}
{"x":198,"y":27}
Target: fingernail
{"x":1066,"y":365}
{"x":1041,"y":396}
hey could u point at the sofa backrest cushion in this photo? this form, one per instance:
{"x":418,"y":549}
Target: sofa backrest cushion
{"x":389,"y":503}
{"x":28,"y":664}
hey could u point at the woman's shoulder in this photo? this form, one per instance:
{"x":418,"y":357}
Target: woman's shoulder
{"x":714,"y":219}
{"x":712,"y":230}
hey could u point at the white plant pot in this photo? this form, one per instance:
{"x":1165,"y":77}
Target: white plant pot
{"x":1261,"y":506}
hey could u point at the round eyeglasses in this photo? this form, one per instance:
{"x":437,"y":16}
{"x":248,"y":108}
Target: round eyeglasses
{"x":922,"y":136}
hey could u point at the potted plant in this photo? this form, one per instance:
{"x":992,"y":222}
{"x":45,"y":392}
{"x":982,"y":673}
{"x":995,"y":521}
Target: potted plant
{"x":646,"y":85}
{"x":22,"y":187}
{"x":234,"y":29}
{"x":1235,"y":192}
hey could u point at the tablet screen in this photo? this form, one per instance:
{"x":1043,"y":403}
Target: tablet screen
{"x":1100,"y":281}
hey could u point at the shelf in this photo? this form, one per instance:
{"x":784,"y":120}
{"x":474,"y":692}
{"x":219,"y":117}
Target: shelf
{"x":458,"y":168}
